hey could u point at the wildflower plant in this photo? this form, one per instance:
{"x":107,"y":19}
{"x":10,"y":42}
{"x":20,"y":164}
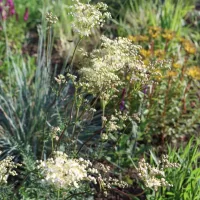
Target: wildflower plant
{"x":113,"y":60}
{"x":54,"y":116}
{"x":173,"y":92}
{"x":66,"y":174}
{"x":180,"y":170}
{"x":87,"y":17}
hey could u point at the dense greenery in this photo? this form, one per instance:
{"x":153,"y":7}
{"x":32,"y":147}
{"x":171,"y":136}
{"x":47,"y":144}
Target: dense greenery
{"x":99,"y":100}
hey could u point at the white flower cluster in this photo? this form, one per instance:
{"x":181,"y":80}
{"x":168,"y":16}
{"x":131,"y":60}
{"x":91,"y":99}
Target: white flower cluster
{"x":51,"y":19}
{"x":87,"y":17}
{"x":55,"y":133}
{"x":153,"y":177}
{"x":63,"y":172}
{"x":112,"y":125}
{"x":108,"y":183}
{"x":72,"y":78}
{"x":102,"y":167}
{"x":116,"y":122}
{"x":167,"y":164}
{"x":60,"y":79}
{"x":105,"y":181}
{"x":104,"y":68}
{"x":7,"y":167}
{"x":157,"y":68}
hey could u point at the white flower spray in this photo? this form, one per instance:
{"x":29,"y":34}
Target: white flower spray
{"x":155,"y":177}
{"x":7,"y":167}
{"x":64,"y":173}
{"x":87,"y":17}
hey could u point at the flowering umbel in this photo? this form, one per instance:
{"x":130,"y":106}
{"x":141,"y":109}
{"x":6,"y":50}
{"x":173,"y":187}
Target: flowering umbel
{"x":87,"y":17}
{"x":63,"y":172}
{"x":104,"y":67}
{"x":66,"y":173}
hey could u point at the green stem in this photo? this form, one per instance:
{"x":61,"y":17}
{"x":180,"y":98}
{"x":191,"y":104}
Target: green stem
{"x":58,"y":193}
{"x":76,"y":119}
{"x":74,"y":135}
{"x":73,"y":55}
{"x":100,"y":146}
{"x":103,"y":110}
{"x":93,"y":104}
{"x":49,"y":48}
{"x":6,"y":37}
{"x":156,"y":195}
{"x":52,"y":144}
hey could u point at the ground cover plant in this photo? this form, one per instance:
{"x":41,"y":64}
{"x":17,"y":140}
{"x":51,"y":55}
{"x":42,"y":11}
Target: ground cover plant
{"x":116,"y":120}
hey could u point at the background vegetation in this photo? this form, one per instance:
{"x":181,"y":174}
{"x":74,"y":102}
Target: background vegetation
{"x":112,"y":101}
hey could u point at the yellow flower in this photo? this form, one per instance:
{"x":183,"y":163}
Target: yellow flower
{"x":176,"y":65}
{"x":194,"y":72}
{"x":189,"y":47}
{"x":133,"y":38}
{"x":154,"y":31}
{"x":145,"y":53}
{"x":182,"y":40}
{"x":160,"y":53}
{"x":171,"y":74}
{"x":143,"y":38}
{"x":168,"y":35}
{"x":146,"y":62}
